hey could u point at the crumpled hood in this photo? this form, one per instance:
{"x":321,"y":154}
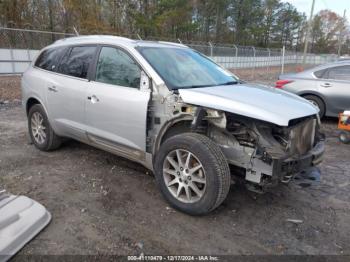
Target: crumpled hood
{"x":255,"y":101}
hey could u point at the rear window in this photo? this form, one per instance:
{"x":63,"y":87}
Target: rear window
{"x":49,"y":59}
{"x":76,"y":62}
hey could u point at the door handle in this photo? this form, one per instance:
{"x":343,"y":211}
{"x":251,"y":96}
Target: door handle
{"x":326,"y":84}
{"x":93,"y":99}
{"x":52,"y":89}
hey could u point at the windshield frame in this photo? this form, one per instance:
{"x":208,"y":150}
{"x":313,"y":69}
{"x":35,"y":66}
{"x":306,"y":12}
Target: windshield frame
{"x":235,"y":79}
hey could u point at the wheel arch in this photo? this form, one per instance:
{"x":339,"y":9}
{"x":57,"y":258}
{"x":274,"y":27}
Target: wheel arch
{"x":34,"y":101}
{"x":311,"y":93}
{"x":171,"y":128}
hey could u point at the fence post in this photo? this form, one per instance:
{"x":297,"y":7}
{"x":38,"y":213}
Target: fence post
{"x":211,"y":49}
{"x":12,"y":60}
{"x":28,"y":54}
{"x":283,"y":54}
{"x":268,"y":62}
{"x":236,"y":51}
{"x":236,"y":55}
{"x":254,"y":61}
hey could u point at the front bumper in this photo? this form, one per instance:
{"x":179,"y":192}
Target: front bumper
{"x":282,"y":170}
{"x":291,"y":166}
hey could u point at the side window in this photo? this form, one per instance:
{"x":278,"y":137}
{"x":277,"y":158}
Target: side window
{"x":76,"y":62}
{"x":339,"y":73}
{"x":320,"y":73}
{"x":50,"y":58}
{"x":115,"y":67}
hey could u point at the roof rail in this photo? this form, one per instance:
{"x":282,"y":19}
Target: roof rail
{"x":172,"y":43}
{"x":87,"y":37}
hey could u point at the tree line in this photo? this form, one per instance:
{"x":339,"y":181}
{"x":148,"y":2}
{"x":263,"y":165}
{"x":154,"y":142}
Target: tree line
{"x":263,"y":23}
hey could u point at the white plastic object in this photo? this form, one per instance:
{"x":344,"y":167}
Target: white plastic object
{"x":21,"y":219}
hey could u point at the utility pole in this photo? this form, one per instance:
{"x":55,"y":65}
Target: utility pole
{"x":340,"y":38}
{"x":308,"y":31}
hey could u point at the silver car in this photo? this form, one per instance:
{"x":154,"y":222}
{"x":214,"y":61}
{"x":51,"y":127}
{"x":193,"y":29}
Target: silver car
{"x":170,"y":108}
{"x":326,"y":86}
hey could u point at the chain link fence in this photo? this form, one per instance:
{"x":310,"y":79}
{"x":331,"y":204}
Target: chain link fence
{"x":18,"y":47}
{"x":260,"y":64}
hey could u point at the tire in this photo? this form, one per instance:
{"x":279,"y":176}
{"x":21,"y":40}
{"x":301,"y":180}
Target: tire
{"x":317,"y":102}
{"x":211,"y":181}
{"x":344,"y":137}
{"x":49,"y":140}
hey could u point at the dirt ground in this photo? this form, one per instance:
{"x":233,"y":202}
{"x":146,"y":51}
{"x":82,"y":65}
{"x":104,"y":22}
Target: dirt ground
{"x":10,"y":89}
{"x":266,"y":75}
{"x":103,"y":204}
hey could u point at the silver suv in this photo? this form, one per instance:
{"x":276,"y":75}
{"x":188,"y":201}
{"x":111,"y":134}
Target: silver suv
{"x":173,"y":110}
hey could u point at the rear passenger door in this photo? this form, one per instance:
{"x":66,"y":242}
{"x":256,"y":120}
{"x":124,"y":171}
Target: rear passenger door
{"x":336,"y":87}
{"x":116,"y":107}
{"x":67,"y":89}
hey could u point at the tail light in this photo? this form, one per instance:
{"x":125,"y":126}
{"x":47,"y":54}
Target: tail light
{"x":282,"y":83}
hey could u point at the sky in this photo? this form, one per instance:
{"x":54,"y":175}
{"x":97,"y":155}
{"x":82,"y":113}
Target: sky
{"x":336,"y":6}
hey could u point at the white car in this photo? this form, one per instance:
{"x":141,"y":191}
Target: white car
{"x":173,"y":110}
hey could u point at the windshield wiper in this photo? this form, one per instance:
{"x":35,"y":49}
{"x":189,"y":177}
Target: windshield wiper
{"x":199,"y":86}
{"x":229,"y":83}
{"x":196,"y":86}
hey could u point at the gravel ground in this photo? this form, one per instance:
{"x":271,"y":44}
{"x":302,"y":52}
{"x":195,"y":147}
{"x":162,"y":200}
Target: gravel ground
{"x":10,"y":90}
{"x":265,"y":75}
{"x":103,"y":204}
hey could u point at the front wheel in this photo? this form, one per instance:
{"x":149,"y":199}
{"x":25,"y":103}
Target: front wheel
{"x":192,"y":173}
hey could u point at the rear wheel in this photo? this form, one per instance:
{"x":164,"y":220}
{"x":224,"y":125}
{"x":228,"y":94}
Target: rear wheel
{"x":40,"y":130}
{"x":192,"y":173}
{"x":315,"y":100}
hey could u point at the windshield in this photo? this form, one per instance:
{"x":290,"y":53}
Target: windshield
{"x":185,"y":68}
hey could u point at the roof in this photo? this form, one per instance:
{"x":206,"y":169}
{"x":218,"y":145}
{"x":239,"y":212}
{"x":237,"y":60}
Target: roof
{"x":331,"y":64}
{"x":109,"y":39}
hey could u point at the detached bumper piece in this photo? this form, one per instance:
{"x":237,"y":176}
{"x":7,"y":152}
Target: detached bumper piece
{"x":21,"y":219}
{"x":307,"y":178}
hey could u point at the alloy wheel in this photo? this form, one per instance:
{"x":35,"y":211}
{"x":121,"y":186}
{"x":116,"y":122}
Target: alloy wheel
{"x":184,"y":176}
{"x":38,"y":128}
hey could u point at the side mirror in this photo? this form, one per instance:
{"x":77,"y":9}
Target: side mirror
{"x":144,"y":81}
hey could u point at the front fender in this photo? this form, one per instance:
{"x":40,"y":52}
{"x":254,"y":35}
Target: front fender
{"x":166,"y":126}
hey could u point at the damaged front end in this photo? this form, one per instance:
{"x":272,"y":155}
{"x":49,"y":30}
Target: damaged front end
{"x":263,"y":153}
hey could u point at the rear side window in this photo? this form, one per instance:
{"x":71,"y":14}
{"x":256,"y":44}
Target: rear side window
{"x":339,"y":73}
{"x":76,"y":62}
{"x":49,"y":59}
{"x":320,"y":73}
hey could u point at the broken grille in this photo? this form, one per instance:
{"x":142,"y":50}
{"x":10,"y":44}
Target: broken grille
{"x":302,"y":137}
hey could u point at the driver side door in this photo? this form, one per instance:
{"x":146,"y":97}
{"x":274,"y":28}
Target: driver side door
{"x":116,"y":106}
